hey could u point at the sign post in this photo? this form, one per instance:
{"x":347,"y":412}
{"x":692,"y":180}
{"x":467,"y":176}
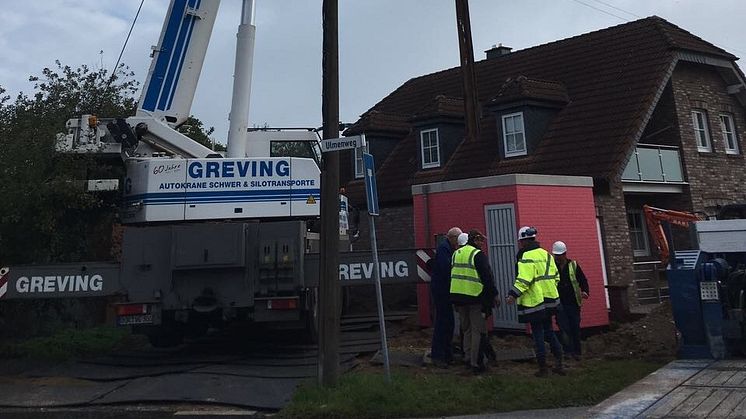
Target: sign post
{"x":371,"y":193}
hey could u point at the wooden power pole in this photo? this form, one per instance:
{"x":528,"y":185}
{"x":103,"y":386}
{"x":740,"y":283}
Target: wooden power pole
{"x":471,"y":100}
{"x":329,"y":295}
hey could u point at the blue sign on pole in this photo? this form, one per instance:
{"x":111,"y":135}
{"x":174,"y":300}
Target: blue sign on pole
{"x":371,"y":191}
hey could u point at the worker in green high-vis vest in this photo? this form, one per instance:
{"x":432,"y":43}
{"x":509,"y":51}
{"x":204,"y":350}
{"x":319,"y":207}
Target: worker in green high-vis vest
{"x":535,"y":293}
{"x":573,"y":289}
{"x":472,"y":286}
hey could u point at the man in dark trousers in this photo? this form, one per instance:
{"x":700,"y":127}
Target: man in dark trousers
{"x":573,"y":289}
{"x":472,"y":285}
{"x":440,"y":285}
{"x":535,"y":293}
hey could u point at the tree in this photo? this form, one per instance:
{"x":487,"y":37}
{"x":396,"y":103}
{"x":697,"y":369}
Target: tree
{"x":195,"y":129}
{"x":46,"y":214}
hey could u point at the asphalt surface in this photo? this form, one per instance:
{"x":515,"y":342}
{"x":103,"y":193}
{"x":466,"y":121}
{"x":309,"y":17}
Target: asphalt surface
{"x":252,"y":376}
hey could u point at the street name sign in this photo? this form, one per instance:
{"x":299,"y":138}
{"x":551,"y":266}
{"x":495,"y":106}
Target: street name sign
{"x":344,"y":143}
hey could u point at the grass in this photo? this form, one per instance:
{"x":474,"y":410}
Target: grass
{"x":66,"y":344}
{"x":423,"y":393}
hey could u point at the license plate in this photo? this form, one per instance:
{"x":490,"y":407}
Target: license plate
{"x":136,"y":319}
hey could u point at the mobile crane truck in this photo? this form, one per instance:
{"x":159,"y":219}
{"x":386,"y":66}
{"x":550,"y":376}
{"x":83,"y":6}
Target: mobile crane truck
{"x":207,"y":239}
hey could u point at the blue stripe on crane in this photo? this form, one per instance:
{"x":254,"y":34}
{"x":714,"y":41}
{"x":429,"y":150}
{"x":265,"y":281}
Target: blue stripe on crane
{"x":177,"y":57}
{"x":178,"y":9}
{"x":181,"y":60}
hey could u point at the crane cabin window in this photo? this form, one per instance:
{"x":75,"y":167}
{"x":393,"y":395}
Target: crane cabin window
{"x":306,"y":149}
{"x":701,"y":130}
{"x":728,"y":129}
{"x":514,"y":135}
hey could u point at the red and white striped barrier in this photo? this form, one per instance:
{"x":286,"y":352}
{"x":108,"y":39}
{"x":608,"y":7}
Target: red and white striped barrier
{"x":423,"y":271}
{"x":3,"y":280}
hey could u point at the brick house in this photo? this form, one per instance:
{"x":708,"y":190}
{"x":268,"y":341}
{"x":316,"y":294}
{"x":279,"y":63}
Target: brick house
{"x":652,"y":113}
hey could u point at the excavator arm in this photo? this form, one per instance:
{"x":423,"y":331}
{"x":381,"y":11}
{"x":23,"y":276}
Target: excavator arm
{"x":655,"y":217}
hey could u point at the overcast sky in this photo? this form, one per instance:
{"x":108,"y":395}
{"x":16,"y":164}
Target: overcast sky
{"x":383,"y":43}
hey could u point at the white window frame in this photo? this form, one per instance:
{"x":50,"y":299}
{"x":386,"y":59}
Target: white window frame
{"x":359,"y":161}
{"x":701,"y":132}
{"x":435,"y":163}
{"x":643,"y":230}
{"x":522,"y":131}
{"x":728,"y":128}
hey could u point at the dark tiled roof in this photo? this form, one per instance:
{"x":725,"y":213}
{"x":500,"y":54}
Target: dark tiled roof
{"x":380,"y":122}
{"x":524,"y":88}
{"x":441,"y":106}
{"x":611,"y":76}
{"x":678,"y":38}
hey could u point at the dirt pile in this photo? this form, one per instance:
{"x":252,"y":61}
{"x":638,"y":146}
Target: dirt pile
{"x":652,"y":336}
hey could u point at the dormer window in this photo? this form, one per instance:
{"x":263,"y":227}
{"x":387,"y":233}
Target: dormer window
{"x":430,"y":148}
{"x":514,"y":137}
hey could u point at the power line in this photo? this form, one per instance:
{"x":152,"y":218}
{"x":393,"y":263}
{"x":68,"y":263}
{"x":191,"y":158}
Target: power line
{"x":113,"y":72}
{"x":725,"y":47}
{"x":617,"y":8}
{"x":601,"y":10}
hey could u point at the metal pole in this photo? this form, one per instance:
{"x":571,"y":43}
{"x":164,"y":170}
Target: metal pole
{"x":379,"y":297}
{"x":329,"y":252}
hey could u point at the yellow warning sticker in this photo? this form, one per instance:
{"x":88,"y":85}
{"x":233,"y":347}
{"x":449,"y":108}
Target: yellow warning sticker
{"x":310,"y":200}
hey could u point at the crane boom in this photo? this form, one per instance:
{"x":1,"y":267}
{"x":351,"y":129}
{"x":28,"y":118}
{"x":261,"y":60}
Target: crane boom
{"x":177,"y":61}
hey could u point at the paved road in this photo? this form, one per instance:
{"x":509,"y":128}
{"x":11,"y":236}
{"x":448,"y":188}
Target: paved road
{"x":256,"y":374}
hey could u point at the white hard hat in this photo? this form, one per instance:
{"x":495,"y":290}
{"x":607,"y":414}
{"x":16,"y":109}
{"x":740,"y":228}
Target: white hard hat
{"x":526,"y":232}
{"x":462,"y":239}
{"x":559,"y":248}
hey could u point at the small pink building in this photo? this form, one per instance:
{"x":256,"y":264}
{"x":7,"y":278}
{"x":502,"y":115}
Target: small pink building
{"x":560,"y":207}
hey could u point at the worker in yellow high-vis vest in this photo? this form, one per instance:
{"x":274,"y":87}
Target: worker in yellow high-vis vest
{"x":573,"y":289}
{"x":535,"y":291}
{"x":472,"y":285}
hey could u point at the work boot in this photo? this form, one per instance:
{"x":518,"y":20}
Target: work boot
{"x":479,"y":369}
{"x":558,"y":369}
{"x":543,"y":370}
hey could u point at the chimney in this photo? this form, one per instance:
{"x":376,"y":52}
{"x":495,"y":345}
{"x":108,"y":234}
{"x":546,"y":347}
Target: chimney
{"x":497,"y":51}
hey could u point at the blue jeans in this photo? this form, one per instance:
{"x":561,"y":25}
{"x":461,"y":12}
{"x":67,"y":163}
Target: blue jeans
{"x":568,"y":319}
{"x":442,"y":349}
{"x":542,"y":330}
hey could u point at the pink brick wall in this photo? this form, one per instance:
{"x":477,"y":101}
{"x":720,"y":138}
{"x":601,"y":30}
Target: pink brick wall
{"x":559,"y":213}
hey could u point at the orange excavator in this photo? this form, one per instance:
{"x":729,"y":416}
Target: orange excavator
{"x":655,"y":217}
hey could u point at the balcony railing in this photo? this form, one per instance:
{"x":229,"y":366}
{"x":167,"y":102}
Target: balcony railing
{"x":654,"y":163}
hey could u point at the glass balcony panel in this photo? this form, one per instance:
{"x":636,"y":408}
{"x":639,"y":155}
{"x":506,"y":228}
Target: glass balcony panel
{"x":650,"y":164}
{"x":631,"y":172}
{"x":672,"y":165}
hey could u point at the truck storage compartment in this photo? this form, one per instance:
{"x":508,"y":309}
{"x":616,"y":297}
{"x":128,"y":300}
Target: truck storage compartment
{"x":209,"y":246}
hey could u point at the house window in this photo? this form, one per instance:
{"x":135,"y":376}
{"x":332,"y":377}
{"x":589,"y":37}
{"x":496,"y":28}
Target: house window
{"x":701,"y":132}
{"x":638,"y":233}
{"x":430,"y":149}
{"x":514,"y":136}
{"x":359,"y":162}
{"x":729,"y":133}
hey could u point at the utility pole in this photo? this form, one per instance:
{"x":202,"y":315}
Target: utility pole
{"x":328,"y":304}
{"x":466,"y":49}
